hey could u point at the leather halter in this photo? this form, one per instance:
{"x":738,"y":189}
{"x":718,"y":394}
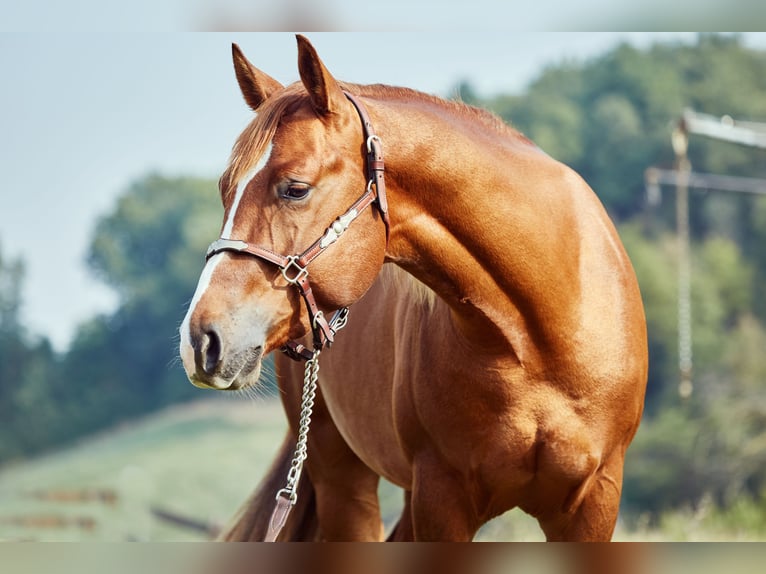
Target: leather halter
{"x":295,"y":267}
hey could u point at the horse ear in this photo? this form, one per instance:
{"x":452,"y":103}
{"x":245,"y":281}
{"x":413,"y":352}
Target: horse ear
{"x":326,"y":95}
{"x":256,"y":86}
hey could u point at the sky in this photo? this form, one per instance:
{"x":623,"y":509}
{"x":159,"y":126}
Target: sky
{"x":83,"y":115}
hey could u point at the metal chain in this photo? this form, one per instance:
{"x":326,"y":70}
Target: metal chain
{"x":288,"y":496}
{"x":311,"y":374}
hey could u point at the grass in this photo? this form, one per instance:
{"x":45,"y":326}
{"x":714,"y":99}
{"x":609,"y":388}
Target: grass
{"x":202,"y":460}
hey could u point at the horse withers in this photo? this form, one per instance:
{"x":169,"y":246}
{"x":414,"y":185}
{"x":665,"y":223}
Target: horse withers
{"x":496,"y":352}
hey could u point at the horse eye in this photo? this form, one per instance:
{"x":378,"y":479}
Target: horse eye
{"x":296,"y":191}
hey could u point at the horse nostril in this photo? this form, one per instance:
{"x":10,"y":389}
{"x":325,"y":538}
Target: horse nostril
{"x":211,"y":351}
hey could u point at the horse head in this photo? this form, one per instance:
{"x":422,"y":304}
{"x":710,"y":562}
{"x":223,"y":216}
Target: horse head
{"x":293,"y":186}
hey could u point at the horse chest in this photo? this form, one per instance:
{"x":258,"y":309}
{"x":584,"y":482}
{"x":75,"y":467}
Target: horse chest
{"x":365,"y":418}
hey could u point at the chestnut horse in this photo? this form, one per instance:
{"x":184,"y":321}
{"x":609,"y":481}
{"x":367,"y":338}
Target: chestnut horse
{"x":500,"y":359}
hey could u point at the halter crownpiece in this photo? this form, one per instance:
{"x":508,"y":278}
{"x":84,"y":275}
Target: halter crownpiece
{"x":294,"y":268}
{"x":375,"y":165}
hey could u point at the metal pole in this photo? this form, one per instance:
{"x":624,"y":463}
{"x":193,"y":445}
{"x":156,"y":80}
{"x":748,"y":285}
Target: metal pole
{"x":750,"y":134}
{"x":680,"y":143}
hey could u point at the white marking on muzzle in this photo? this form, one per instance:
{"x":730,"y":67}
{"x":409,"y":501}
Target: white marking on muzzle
{"x":187,"y":352}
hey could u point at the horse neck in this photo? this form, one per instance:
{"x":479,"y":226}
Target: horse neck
{"x":465,"y":221}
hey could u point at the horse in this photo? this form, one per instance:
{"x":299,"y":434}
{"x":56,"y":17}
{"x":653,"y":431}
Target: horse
{"x":496,"y":353}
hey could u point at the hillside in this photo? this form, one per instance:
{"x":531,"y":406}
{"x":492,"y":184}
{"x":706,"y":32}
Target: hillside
{"x":199,"y":460}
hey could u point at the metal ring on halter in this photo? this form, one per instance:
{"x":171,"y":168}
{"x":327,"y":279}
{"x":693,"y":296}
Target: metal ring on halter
{"x":292,"y":261}
{"x":370,"y":140}
{"x":290,"y":494}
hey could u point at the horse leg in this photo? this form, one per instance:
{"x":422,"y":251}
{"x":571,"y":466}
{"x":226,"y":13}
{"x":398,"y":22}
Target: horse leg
{"x":346,"y":488}
{"x":442,"y":509}
{"x":402,"y":531}
{"x":347,"y":500}
{"x":591,"y":512}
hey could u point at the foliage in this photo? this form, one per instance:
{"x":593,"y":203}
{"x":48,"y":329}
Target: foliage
{"x":610,"y":118}
{"x":26,"y":367}
{"x":150,"y":250}
{"x":11,"y":277}
{"x":713,"y":444}
{"x":118,"y":366}
{"x":152,"y":243}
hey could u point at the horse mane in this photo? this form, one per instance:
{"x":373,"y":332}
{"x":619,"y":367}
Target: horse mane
{"x":393,"y":277}
{"x":487,"y":118}
{"x":253,"y":140}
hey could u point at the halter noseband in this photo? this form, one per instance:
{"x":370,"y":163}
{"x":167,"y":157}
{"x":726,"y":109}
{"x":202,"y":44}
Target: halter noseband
{"x":295,"y":267}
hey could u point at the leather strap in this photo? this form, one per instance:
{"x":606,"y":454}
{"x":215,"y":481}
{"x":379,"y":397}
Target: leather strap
{"x":278,"y":518}
{"x":299,"y":352}
{"x":296,"y":351}
{"x":375,"y":164}
{"x":244,"y":247}
{"x":316,"y":248}
{"x":323,"y":335}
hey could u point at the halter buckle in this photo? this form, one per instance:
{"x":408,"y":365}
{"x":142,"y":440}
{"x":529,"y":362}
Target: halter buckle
{"x":293,"y":266}
{"x":372,"y":138}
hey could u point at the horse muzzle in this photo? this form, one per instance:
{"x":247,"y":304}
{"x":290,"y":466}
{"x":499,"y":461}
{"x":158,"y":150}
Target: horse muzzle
{"x":211,"y":363}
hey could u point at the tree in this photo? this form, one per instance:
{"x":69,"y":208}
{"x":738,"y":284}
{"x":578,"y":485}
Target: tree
{"x":11,"y":276}
{"x":26,"y":367}
{"x":610,"y":117}
{"x":150,"y":249}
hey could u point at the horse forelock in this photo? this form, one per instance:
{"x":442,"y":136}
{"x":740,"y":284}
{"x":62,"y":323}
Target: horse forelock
{"x":255,"y":138}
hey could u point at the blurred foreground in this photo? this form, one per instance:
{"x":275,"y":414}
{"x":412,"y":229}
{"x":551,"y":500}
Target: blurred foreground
{"x":387,"y":559}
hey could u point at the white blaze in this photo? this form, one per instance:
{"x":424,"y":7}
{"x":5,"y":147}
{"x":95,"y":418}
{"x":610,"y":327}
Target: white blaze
{"x":241,"y":187}
{"x":187,"y":353}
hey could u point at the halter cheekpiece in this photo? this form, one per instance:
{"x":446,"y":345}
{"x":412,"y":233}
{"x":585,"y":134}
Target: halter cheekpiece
{"x":294,"y":268}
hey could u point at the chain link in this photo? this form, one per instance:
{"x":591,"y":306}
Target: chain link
{"x":311,"y":374}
